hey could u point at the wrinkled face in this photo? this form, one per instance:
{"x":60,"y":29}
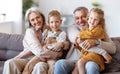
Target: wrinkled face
{"x":93,"y":20}
{"x":80,"y":18}
{"x":54,"y":23}
{"x":36,"y":20}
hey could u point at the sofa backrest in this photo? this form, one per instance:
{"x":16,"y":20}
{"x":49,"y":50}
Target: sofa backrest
{"x":10,"y":45}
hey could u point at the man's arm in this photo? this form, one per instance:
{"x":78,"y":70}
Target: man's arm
{"x":109,"y":46}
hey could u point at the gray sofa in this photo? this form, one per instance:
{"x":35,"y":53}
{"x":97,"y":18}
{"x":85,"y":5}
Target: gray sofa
{"x":11,"y":45}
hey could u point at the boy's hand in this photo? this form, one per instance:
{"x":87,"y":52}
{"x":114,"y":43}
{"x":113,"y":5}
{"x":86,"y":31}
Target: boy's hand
{"x":57,"y":47}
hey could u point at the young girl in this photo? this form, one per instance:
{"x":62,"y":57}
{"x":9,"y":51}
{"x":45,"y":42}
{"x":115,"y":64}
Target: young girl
{"x":96,"y":30}
{"x":52,"y":44}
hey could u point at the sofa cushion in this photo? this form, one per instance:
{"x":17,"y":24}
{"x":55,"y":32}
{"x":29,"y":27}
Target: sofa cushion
{"x":116,"y":56}
{"x":115,"y":65}
{"x":2,"y":53}
{"x":7,"y":54}
{"x":10,"y":45}
{"x":15,"y":42}
{"x":3,"y":39}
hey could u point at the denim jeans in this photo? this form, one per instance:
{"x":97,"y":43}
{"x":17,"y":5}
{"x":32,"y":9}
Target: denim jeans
{"x":64,"y":66}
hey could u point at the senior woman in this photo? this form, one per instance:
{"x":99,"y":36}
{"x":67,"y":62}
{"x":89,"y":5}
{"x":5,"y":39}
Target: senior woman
{"x":35,"y":21}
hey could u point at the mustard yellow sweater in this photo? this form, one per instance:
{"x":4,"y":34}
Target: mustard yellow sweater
{"x":95,"y":33}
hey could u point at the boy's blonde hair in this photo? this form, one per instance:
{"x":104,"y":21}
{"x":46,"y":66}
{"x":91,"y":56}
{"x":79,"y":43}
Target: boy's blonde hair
{"x":54,"y":13}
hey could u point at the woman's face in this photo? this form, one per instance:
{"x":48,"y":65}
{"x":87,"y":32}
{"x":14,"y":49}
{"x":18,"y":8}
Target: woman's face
{"x":36,"y":20}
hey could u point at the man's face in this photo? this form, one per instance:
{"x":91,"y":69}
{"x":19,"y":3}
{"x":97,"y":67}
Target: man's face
{"x":80,"y":18}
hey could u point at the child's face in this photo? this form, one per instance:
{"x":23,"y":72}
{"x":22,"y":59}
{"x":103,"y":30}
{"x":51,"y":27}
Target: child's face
{"x":54,"y":23}
{"x":93,"y":20}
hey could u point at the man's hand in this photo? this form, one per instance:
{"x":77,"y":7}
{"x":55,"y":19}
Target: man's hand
{"x":88,"y":43}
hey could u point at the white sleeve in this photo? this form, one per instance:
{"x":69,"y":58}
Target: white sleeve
{"x":31,"y":42}
{"x":61,"y":37}
{"x":72,"y":32}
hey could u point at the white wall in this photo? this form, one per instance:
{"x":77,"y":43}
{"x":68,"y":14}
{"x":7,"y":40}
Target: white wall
{"x":13,"y":11}
{"x":110,"y":7}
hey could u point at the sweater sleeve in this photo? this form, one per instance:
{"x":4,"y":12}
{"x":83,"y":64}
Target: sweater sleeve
{"x":108,"y":45}
{"x":31,"y":42}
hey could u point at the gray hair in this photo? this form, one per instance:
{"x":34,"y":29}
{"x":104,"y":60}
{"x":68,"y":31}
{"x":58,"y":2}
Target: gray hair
{"x":30,"y":10}
{"x":80,"y":8}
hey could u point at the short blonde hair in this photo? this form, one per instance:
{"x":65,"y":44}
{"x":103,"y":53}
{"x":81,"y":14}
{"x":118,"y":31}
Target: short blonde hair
{"x":54,"y":13}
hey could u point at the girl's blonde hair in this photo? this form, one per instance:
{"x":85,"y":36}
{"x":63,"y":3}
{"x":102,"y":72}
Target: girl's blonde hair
{"x":100,"y":13}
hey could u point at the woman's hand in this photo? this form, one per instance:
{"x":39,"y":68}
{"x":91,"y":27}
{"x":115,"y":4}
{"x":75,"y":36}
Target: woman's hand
{"x":88,"y":43}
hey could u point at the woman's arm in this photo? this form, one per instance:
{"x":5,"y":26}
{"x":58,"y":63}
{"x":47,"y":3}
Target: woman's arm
{"x":31,"y":42}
